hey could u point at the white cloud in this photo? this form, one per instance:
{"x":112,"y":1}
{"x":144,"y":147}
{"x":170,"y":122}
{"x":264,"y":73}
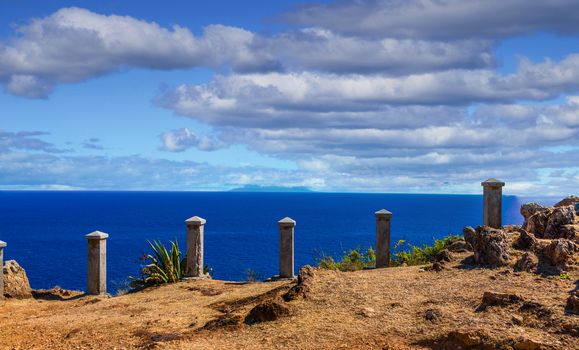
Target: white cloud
{"x":182,"y":139}
{"x":441,"y":19}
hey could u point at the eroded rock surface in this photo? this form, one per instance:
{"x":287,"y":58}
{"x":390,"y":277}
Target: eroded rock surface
{"x":16,"y":283}
{"x":490,"y":247}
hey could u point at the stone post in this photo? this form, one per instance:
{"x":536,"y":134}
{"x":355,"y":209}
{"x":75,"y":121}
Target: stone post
{"x":97,"y":263}
{"x":195,"y":230}
{"x":492,"y":210}
{"x":2,"y":246}
{"x":383,"y":217}
{"x":286,"y":247}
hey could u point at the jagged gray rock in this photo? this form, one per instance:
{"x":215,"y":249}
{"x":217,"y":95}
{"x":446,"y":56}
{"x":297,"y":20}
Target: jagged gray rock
{"x":490,"y":247}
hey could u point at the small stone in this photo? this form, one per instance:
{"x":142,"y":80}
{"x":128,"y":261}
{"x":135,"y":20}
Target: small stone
{"x":573,"y":303}
{"x":367,"y":312}
{"x":465,"y":338}
{"x":498,"y":299}
{"x":517,"y":320}
{"x":432,"y":315}
{"x":528,"y":344}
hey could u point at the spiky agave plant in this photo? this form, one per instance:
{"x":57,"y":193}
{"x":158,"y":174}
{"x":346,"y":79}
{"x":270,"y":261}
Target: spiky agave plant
{"x":166,"y":266}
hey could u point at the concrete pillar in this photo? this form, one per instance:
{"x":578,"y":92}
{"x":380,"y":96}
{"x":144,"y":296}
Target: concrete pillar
{"x":97,"y":263}
{"x":2,"y":246}
{"x":195,"y":229}
{"x":493,"y":195}
{"x":286,"y":247}
{"x":383,"y":217}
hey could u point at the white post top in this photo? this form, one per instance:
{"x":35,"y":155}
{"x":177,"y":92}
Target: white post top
{"x":97,"y":235}
{"x":492,"y":182}
{"x":287,"y":221}
{"x":383,"y":213}
{"x":3,"y":244}
{"x":195,"y":221}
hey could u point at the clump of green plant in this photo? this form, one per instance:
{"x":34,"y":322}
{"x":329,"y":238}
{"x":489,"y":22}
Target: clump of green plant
{"x":165,"y":266}
{"x":353,"y":260}
{"x":565,"y":276}
{"x":419,"y":255}
{"x":404,"y":253}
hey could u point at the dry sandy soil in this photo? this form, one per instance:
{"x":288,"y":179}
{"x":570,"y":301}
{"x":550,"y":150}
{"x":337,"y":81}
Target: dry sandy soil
{"x":395,"y":308}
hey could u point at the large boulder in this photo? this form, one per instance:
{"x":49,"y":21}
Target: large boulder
{"x":559,"y":252}
{"x":571,"y":200}
{"x":490,"y":247}
{"x":537,"y":223}
{"x":528,"y":262}
{"x":530,"y":209}
{"x":526,"y":241}
{"x":560,"y":217}
{"x":16,"y":283}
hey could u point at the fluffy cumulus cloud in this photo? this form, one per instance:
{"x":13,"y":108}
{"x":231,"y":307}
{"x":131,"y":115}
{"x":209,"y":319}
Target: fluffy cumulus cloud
{"x":372,"y":95}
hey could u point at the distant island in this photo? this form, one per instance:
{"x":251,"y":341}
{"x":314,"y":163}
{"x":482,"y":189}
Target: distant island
{"x":258,"y":188}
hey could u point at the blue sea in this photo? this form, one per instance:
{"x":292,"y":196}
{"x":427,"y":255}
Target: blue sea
{"x":45,"y":230}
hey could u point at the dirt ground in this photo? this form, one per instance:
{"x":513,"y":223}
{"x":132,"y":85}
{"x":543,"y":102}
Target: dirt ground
{"x":394,"y":308}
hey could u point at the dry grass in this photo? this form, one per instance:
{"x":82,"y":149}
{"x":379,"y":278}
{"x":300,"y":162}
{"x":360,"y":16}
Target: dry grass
{"x":371,"y":309}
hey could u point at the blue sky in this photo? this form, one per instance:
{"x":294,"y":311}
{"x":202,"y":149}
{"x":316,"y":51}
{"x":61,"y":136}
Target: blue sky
{"x":370,"y":96}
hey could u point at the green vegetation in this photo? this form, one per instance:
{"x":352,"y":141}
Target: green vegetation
{"x":403,"y":253}
{"x":166,"y":266}
{"x":565,"y":276}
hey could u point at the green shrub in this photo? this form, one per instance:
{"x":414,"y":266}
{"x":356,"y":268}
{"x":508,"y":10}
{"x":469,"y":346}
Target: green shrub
{"x":166,"y":266}
{"x":403,"y":253}
{"x":353,"y":260}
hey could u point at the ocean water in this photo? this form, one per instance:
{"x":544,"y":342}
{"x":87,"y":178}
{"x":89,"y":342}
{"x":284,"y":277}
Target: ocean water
{"x":45,"y":230}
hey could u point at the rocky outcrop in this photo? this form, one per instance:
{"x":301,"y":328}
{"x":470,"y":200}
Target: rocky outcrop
{"x":490,"y":247}
{"x":306,"y":278}
{"x":444,"y":256}
{"x":528,"y":262}
{"x":559,"y":252}
{"x":571,"y":200}
{"x":469,"y":233}
{"x":551,"y":222}
{"x":573,"y":303}
{"x":459,"y":247}
{"x":559,"y":217}
{"x":526,"y":241}
{"x":16,"y":283}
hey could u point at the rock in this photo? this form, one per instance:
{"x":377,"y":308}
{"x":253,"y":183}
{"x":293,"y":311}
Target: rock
{"x":464,"y":339}
{"x":528,"y":262}
{"x":499,"y":299}
{"x":570,"y":200}
{"x":490,"y":247}
{"x":526,"y":241}
{"x":528,"y":344}
{"x":432,"y":315}
{"x":306,"y":278}
{"x":517,"y":320}
{"x":16,"y":283}
{"x":570,"y":232}
{"x":559,"y":251}
{"x":436,"y":266}
{"x":469,"y":233}
{"x":367,"y":312}
{"x":559,"y":217}
{"x":459,"y":247}
{"x":444,"y":255}
{"x":530,"y":209}
{"x":573,"y":303}
{"x":537,"y":223}
{"x":267,"y":311}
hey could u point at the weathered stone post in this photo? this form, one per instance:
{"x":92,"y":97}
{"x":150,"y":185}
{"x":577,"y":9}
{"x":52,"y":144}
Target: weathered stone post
{"x":2,"y":246}
{"x":493,"y":195}
{"x":97,"y":263}
{"x":286,"y":247}
{"x":383,"y":217}
{"x":195,"y":230}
